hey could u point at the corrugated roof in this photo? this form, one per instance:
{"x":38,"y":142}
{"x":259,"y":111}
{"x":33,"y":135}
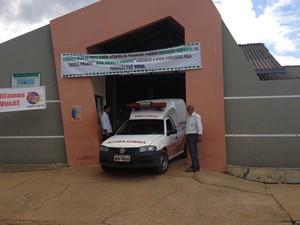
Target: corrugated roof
{"x":294,"y":71}
{"x":259,"y":56}
{"x":266,"y":66}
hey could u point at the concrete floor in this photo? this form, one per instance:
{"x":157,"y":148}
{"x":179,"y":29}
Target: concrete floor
{"x":88,"y":195}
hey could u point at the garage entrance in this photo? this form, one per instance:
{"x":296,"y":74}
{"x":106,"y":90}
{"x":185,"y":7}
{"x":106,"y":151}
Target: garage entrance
{"x":121,"y":90}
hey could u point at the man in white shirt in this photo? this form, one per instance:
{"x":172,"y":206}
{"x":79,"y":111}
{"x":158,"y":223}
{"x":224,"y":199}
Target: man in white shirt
{"x":105,"y":123}
{"x":194,"y":131}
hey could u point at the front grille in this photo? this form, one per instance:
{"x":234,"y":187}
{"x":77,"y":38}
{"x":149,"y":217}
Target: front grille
{"x":127,"y":150}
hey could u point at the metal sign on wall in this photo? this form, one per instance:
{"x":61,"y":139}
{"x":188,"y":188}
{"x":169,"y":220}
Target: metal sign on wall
{"x":181,"y":58}
{"x":25,"y":80}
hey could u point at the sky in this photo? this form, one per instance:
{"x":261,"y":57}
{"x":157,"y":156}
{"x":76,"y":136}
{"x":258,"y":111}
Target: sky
{"x":276,"y":23}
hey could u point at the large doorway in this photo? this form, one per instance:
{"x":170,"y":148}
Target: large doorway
{"x":121,"y":90}
{"x":134,"y":88}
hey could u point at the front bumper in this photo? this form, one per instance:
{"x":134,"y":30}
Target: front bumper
{"x":137,"y":159}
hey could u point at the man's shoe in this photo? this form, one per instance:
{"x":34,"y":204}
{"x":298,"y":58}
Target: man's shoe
{"x":190,"y":169}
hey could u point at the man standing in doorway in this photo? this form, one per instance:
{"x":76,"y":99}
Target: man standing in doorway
{"x":105,"y":123}
{"x":193,"y":135}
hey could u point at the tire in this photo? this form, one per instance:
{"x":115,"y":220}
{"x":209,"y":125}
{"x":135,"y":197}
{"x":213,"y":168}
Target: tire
{"x":107,"y":169}
{"x":163,"y":163}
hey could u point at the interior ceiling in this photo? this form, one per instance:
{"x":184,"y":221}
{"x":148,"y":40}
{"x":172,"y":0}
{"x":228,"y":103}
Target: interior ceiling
{"x":163,"y":34}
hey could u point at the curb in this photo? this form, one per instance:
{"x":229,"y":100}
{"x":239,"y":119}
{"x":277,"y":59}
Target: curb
{"x":9,"y":168}
{"x":271,"y":175}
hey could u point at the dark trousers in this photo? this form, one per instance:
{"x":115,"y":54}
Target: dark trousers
{"x":192,"y":141}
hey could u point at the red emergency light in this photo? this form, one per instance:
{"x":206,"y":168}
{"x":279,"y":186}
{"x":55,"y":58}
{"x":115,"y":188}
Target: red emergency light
{"x":133,"y":105}
{"x":137,"y":106}
{"x":158,"y":104}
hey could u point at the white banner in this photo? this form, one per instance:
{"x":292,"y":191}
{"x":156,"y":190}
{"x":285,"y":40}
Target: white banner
{"x":17,"y":99}
{"x":181,"y":58}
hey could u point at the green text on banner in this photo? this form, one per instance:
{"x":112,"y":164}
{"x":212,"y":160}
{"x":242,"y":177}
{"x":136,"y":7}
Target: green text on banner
{"x":181,"y":58}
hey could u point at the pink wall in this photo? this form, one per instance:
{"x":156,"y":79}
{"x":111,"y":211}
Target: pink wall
{"x":109,"y":19}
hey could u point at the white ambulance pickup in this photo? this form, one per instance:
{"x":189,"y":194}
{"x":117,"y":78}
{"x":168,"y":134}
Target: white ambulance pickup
{"x":153,"y":135}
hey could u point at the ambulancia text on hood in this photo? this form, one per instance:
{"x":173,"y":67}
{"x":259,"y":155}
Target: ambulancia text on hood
{"x":130,"y":141}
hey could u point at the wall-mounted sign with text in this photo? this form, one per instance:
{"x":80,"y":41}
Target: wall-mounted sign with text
{"x":17,"y":99}
{"x":25,"y":80}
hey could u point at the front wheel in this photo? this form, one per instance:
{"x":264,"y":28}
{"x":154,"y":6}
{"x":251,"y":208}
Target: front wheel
{"x":108,"y":169}
{"x":163,"y":163}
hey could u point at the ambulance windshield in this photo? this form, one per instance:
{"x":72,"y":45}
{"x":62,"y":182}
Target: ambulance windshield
{"x":133,"y":127}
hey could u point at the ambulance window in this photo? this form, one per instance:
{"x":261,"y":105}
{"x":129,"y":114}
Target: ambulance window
{"x":136,"y":127}
{"x":170,"y":126}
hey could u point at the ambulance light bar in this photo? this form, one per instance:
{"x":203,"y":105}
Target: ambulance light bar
{"x":156,"y":105}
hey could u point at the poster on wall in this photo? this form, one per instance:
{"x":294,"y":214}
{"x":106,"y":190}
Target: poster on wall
{"x":18,"y":99}
{"x":76,"y":113}
{"x":181,"y":58}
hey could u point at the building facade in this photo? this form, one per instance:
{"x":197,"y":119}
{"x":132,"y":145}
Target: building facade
{"x":242,"y":121}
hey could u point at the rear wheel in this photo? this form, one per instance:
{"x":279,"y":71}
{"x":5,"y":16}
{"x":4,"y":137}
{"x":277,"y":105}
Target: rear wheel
{"x":163,"y":163}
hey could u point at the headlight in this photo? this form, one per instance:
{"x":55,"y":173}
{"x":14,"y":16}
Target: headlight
{"x":148,"y":149}
{"x":103,"y":148}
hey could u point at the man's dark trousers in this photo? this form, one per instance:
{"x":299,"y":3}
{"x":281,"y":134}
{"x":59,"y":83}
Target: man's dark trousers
{"x":192,"y":140}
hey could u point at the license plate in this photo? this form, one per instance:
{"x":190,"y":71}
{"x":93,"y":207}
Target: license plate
{"x":122,"y":158}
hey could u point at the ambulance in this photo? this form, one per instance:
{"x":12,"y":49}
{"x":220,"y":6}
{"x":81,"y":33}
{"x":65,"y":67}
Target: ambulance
{"x":153,"y":135}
